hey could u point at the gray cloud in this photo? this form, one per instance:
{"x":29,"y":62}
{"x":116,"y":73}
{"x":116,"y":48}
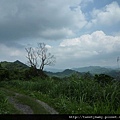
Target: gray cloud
{"x":25,"y":22}
{"x":30,"y":19}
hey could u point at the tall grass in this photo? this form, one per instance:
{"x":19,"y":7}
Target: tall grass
{"x":75,"y":95}
{"x":5,"y":106}
{"x":3,"y":103}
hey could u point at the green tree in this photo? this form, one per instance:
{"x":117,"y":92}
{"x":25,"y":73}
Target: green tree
{"x":103,"y":78}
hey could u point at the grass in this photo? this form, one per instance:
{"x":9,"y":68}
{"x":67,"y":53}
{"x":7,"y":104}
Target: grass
{"x":73,"y":95}
{"x":37,"y":108}
{"x":5,"y":106}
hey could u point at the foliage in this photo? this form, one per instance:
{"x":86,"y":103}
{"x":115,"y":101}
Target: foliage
{"x":4,"y":74}
{"x":12,"y":70}
{"x":103,"y":79}
{"x":5,"y":106}
{"x":14,"y":65}
{"x":33,"y":72}
{"x":73,"y":95}
{"x":37,"y":108}
{"x":3,"y":102}
{"x":17,"y":74}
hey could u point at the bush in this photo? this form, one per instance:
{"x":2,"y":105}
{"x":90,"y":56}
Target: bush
{"x":103,"y":79}
{"x":33,"y":72}
{"x":4,"y":74}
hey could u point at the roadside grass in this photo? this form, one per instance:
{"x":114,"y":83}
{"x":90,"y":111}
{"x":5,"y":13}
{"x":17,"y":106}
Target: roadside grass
{"x":72,"y":95}
{"x":37,"y":108}
{"x":5,"y":106}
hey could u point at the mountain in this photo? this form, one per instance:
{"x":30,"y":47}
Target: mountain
{"x":20,"y":65}
{"x":93,"y":69}
{"x":13,"y":65}
{"x":17,"y":65}
{"x":54,"y":70}
{"x":114,"y":73}
{"x":64,"y":73}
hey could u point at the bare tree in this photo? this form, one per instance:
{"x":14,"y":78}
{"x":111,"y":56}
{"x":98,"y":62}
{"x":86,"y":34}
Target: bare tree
{"x":40,"y":57}
{"x":44,"y":57}
{"x":32,"y":57}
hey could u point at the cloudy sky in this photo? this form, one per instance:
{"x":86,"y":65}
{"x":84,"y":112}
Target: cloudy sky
{"x":78,"y":32}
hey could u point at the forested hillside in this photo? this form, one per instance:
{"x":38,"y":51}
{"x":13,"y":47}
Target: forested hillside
{"x":13,"y":65}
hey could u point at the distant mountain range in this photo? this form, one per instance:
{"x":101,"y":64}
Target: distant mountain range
{"x":63,"y":73}
{"x":54,"y":70}
{"x":113,"y":72}
{"x":93,"y":69}
{"x":81,"y":71}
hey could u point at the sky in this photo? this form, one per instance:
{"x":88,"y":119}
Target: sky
{"x":77,"y":32}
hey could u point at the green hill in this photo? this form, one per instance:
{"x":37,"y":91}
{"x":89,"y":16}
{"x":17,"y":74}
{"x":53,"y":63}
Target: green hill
{"x":13,"y":65}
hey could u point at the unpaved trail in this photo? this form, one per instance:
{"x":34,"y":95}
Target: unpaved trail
{"x":25,"y":109}
{"x":47,"y":107}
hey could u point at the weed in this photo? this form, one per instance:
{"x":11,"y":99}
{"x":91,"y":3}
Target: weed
{"x":73,"y":95}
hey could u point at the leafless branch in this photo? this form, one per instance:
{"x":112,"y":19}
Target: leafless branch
{"x":31,"y":56}
{"x":41,"y":54}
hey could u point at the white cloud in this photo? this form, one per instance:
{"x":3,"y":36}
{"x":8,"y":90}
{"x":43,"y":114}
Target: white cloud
{"x":88,"y":45}
{"x":70,"y":42}
{"x":48,"y":46}
{"x":96,"y":48}
{"x":109,"y":15}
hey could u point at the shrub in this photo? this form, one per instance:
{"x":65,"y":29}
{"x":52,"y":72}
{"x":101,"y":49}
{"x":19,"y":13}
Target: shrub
{"x":103,"y":79}
{"x":33,"y":72}
{"x":4,"y":74}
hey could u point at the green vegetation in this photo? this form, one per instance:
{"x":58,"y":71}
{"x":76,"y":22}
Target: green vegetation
{"x":72,"y":95}
{"x":37,"y":108}
{"x":12,"y":70}
{"x":75,"y":94}
{"x":14,"y":65}
{"x":5,"y":106}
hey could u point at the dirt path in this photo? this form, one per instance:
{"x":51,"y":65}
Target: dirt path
{"x":25,"y":109}
{"x":47,"y":107}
